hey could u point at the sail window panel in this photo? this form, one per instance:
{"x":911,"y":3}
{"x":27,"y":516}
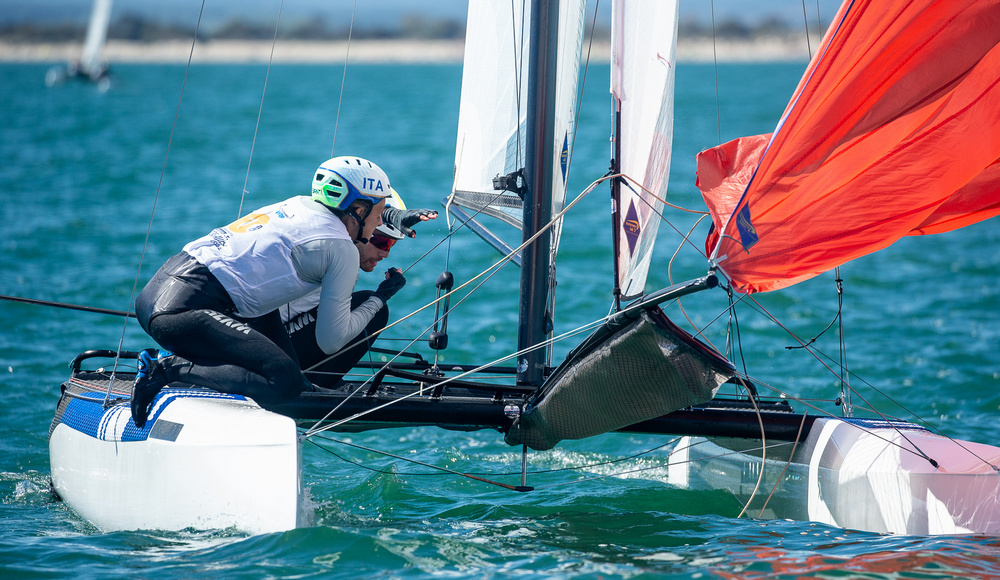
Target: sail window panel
{"x":502,"y":206}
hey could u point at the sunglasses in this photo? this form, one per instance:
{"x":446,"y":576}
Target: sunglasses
{"x":381,"y":242}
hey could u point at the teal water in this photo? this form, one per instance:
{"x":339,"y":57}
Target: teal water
{"x":79,"y":178}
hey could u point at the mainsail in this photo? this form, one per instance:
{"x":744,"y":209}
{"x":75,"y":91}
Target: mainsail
{"x":643,"y":58}
{"x":891,"y":132}
{"x":491,"y":120}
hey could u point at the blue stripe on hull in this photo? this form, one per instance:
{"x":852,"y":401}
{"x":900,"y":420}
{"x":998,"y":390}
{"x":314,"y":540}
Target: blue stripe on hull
{"x":88,"y":415}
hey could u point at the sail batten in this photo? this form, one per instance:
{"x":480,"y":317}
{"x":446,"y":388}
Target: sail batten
{"x":889,"y":134}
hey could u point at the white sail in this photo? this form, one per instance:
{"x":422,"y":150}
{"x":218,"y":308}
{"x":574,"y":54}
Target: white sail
{"x":97,"y":33}
{"x":491,"y":136}
{"x":643,"y":59}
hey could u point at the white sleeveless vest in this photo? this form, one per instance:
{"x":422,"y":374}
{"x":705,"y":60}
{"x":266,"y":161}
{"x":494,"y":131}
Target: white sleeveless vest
{"x":252,"y":257}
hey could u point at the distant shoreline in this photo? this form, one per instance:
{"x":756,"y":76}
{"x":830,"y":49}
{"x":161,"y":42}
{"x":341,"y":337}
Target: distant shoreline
{"x":768,"y":49}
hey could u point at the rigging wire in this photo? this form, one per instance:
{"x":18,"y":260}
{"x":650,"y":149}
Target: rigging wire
{"x":343,"y":79}
{"x":670,"y":278}
{"x":734,"y":323}
{"x":579,"y":96}
{"x":38,"y":302}
{"x":888,"y":424}
{"x":489,"y":474}
{"x":518,"y":46}
{"x":156,"y":197}
{"x":479,"y":476}
{"x":432,"y":466}
{"x":763,"y":455}
{"x":836,"y":317}
{"x":845,"y":385}
{"x":805,"y":21}
{"x":761,"y":309}
{"x":777,"y":480}
{"x":260,"y":110}
{"x":715,"y":60}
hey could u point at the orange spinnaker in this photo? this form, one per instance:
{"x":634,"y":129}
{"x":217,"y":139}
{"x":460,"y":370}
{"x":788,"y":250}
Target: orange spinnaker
{"x":894,"y":130}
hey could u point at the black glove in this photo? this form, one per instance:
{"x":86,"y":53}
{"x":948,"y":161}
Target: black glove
{"x":404,"y":220}
{"x":394,"y":280}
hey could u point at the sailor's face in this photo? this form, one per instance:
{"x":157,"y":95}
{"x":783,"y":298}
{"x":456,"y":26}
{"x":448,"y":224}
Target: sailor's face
{"x":370,"y":256}
{"x":373,"y":220}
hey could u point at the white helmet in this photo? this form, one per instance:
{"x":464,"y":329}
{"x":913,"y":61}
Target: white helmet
{"x":340,"y":181}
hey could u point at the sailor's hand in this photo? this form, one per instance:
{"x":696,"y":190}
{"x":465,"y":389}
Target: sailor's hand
{"x":404,"y":220}
{"x":394,"y":280}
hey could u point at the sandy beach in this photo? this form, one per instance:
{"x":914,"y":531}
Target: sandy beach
{"x":791,"y":48}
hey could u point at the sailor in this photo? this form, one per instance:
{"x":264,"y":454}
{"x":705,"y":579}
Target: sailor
{"x":214,"y":305}
{"x":300,"y":316}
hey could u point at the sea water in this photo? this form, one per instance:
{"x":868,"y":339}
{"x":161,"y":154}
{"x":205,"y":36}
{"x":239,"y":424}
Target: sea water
{"x":98,"y":189}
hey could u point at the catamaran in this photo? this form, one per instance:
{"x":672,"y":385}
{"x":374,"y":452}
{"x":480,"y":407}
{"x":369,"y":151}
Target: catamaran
{"x":872,"y":146}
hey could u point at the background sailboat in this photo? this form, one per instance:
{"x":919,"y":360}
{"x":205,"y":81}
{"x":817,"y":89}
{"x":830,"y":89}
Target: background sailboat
{"x":89,"y":66}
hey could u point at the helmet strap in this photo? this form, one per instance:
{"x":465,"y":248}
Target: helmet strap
{"x":361,"y":223}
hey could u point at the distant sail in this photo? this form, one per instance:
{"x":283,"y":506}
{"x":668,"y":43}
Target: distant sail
{"x":97,"y":33}
{"x":892,"y":131}
{"x":491,"y":133}
{"x":643,"y":59}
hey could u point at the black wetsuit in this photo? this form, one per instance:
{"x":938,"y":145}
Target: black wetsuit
{"x":188,"y":312}
{"x":322,"y":369}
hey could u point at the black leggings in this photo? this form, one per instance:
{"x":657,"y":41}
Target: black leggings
{"x":322,"y":369}
{"x":186,"y":310}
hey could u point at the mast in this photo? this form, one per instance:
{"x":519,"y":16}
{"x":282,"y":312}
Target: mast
{"x":540,"y":129}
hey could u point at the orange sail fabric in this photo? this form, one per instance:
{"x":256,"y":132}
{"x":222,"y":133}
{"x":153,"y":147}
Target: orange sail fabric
{"x":894,"y":130}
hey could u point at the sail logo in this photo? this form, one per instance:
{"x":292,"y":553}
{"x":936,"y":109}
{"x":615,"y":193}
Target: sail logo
{"x":746,"y":229}
{"x":226,"y":321}
{"x":631,"y":227}
{"x":564,"y":157}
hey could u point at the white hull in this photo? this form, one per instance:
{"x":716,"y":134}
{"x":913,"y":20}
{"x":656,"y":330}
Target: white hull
{"x":203,"y":461}
{"x":856,"y":475}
